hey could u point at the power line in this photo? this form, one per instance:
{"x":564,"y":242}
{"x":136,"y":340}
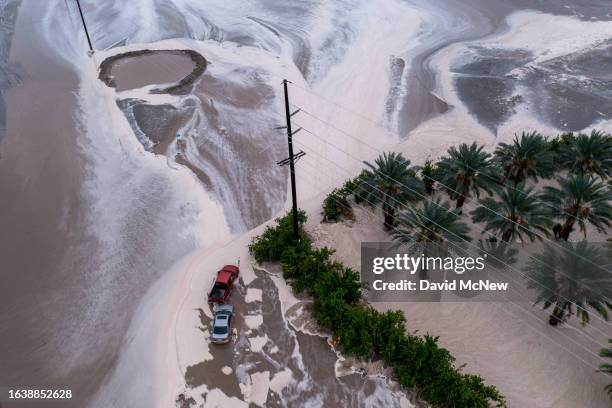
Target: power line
{"x":403,"y":205}
{"x":467,"y":198}
{"x":377,"y":124}
{"x":482,"y":230}
{"x":291,"y":160}
{"x":427,"y":199}
{"x":531,"y":314}
{"x":584,"y":334}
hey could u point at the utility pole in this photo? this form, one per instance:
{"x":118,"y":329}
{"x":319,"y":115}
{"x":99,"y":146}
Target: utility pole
{"x":291,"y":160}
{"x":85,"y":26}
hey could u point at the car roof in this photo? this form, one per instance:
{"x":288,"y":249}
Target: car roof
{"x":224,"y":276}
{"x":222,"y":320}
{"x":230,"y":268}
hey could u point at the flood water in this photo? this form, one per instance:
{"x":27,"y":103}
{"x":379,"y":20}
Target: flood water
{"x":154,"y":69}
{"x":102,"y":193}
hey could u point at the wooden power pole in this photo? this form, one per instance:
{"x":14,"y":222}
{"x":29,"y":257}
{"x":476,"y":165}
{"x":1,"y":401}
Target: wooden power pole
{"x":84,"y":26}
{"x":291,"y":160}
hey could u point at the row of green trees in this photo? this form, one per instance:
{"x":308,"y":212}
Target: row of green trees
{"x":580,"y":163}
{"x":358,"y":329}
{"x":510,"y":208}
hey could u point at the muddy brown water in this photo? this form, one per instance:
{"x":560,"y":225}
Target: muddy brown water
{"x":233,"y":154}
{"x":151,"y":69}
{"x":309,"y":358}
{"x":487,"y":98}
{"x":45,"y":250}
{"x":41,"y":210}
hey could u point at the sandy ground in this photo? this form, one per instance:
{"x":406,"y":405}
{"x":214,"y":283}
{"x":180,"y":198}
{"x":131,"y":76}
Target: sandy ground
{"x":533,"y":365}
{"x":510,"y":344}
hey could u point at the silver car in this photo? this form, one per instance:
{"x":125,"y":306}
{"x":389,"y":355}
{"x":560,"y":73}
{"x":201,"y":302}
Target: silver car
{"x":221,"y":332}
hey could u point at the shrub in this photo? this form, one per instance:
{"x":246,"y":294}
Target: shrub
{"x":270,"y":245}
{"x":337,"y":204}
{"x":418,"y":362}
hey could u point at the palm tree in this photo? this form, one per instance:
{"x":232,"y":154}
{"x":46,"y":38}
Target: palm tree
{"x":569,"y":275}
{"x":588,"y":154}
{"x":434,"y":224}
{"x":466,"y":171}
{"x":527,"y":157}
{"x":392,"y":182}
{"x":607,"y":367}
{"x":516,"y":214}
{"x":500,"y":255}
{"x":579,"y":199}
{"x":427,"y":172}
{"x":559,"y":142}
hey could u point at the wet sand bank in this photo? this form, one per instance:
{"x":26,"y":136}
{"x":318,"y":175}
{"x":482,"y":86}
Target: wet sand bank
{"x":224,"y":125}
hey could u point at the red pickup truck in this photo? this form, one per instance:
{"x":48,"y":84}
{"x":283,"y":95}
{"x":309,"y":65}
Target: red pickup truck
{"x":222,"y":288}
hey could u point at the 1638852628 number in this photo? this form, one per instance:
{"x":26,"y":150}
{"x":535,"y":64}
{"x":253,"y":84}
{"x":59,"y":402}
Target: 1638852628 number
{"x":39,"y":394}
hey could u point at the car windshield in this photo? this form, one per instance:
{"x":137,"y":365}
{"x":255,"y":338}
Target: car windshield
{"x":217,"y":292}
{"x":220,"y":330}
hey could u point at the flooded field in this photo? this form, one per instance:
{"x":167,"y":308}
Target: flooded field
{"x":121,"y":184}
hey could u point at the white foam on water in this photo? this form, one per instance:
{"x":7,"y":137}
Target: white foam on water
{"x":281,"y":380}
{"x":216,"y":398}
{"x":356,"y":83}
{"x":260,"y":384}
{"x":253,"y":321}
{"x":253,"y":295}
{"x":257,"y":343}
{"x":544,"y":35}
{"x":164,"y":337}
{"x":549,"y":36}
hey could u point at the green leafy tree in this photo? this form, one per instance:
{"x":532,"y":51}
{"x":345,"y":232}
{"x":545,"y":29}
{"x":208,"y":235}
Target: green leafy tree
{"x":572,"y":278}
{"x":515,"y":213}
{"x":527,"y":157}
{"x":607,"y":367}
{"x":392,"y":182}
{"x":579,"y":200}
{"x":465,"y":172}
{"x":588,"y":154}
